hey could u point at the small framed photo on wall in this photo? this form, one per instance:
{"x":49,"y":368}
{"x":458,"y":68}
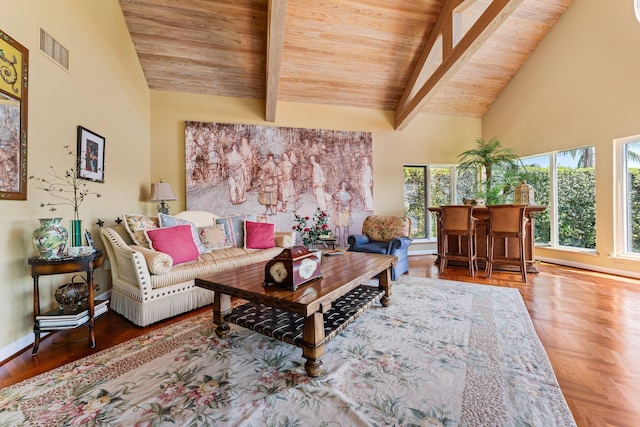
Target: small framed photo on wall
{"x":90,"y":153}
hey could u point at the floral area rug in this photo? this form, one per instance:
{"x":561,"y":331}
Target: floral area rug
{"x":444,"y":353}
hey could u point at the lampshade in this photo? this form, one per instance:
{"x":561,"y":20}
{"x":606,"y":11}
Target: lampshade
{"x":162,"y":191}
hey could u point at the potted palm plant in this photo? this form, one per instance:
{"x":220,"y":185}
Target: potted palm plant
{"x":489,"y":156}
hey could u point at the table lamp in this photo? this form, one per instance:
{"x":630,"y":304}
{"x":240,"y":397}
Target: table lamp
{"x":161,"y":192}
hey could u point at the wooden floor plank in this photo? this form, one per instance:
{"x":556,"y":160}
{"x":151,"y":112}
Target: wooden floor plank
{"x":589,"y":324}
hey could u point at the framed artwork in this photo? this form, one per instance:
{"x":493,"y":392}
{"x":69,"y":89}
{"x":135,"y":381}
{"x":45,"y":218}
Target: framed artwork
{"x":14,"y":63}
{"x":90,"y":155}
{"x":276,"y":173}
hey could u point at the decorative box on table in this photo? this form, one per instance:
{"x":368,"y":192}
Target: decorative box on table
{"x":293,"y":267}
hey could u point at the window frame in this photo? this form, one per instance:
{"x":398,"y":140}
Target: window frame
{"x":622,"y":240}
{"x":554,"y":237}
{"x":553,"y":208}
{"x":453,"y":193}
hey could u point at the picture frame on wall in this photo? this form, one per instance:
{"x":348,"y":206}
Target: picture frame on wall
{"x":90,"y":154}
{"x":13,"y":118}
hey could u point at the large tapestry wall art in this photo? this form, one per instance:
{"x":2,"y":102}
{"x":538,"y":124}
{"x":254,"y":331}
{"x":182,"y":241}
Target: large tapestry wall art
{"x":280,"y":172}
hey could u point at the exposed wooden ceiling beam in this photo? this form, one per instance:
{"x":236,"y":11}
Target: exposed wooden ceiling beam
{"x":444,"y":20}
{"x":452,"y":58}
{"x":333,"y":52}
{"x":277,"y":11}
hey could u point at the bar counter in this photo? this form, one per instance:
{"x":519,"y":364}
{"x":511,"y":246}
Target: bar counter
{"x":508,"y":247}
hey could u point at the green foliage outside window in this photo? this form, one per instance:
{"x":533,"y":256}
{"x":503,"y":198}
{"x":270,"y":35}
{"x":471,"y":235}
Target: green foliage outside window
{"x":576,"y":206}
{"x":633,"y":194}
{"x":576,"y":202}
{"x":440,"y":192}
{"x":415,"y":193}
{"x":540,"y":179}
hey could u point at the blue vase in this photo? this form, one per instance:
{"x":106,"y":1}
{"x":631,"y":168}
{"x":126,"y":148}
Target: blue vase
{"x":50,"y":238}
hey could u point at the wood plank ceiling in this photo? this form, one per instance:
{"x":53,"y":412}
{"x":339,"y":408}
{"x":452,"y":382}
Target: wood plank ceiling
{"x":440,"y":56}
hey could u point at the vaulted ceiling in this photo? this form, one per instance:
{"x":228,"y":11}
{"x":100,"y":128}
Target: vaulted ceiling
{"x":441,"y":56}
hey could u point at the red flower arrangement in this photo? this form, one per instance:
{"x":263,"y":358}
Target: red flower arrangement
{"x":309,"y":229}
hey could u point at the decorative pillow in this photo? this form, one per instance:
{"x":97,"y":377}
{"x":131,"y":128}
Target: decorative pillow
{"x":259,"y":235}
{"x":177,"y":242}
{"x":284,"y":240}
{"x":172,"y":221}
{"x":137,"y":224}
{"x":213,"y":237}
{"x":384,"y":228}
{"x":158,"y":262}
{"x":234,"y":227}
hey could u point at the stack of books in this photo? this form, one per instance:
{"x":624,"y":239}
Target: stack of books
{"x":68,"y":318}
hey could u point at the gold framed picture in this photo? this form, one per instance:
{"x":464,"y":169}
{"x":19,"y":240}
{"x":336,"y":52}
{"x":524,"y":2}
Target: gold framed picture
{"x":14,"y":69}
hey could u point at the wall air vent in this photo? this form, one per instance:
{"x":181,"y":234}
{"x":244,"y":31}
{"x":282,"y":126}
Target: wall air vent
{"x":54,"y":50}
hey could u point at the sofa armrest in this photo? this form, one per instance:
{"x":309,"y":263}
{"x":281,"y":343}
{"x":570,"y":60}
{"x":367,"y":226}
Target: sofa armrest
{"x":157,"y":262}
{"x":285,"y":239}
{"x":399,"y":243}
{"x":129,"y":270}
{"x":357,"y":240}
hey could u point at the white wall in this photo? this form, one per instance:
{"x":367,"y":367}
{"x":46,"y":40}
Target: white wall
{"x":105,"y":91}
{"x":581,"y":86}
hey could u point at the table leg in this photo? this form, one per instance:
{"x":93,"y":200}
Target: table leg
{"x":313,"y":343}
{"x":91,"y":308}
{"x":36,"y":341}
{"x":384,"y":284}
{"x":221,"y":307}
{"x":36,"y":312}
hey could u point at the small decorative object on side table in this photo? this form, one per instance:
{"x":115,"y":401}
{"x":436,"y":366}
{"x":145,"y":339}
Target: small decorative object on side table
{"x":327,"y":240}
{"x":56,"y":319}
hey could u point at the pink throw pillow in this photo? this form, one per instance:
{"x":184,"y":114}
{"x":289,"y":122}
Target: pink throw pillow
{"x":177,"y":242}
{"x":259,"y":235}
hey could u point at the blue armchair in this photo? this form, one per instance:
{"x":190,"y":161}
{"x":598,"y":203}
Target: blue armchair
{"x":387,"y":235}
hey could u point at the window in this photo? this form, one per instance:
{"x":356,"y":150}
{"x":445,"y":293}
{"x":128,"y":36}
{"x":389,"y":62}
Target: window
{"x":565,"y":182}
{"x":441,"y":192}
{"x":576,"y":198}
{"x":415,"y":193}
{"x":628,"y":232}
{"x":538,"y":173}
{"x":433,"y":185}
{"x":466,"y":185}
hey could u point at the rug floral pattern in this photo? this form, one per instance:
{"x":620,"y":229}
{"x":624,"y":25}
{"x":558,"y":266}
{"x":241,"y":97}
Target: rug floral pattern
{"x":443,"y":354}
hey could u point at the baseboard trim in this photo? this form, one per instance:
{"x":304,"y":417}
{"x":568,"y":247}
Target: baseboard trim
{"x":590,"y":267}
{"x":556,"y":261}
{"x":423,"y":252}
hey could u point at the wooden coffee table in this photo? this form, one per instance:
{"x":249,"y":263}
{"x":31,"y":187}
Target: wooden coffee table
{"x":312,"y":314}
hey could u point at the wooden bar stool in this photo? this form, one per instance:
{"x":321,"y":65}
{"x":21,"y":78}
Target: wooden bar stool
{"x":458,"y":222}
{"x":505,"y":222}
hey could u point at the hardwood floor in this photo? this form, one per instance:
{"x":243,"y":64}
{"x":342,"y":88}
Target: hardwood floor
{"x":589,"y":324}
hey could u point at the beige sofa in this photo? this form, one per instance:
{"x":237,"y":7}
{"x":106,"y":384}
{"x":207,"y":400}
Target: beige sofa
{"x":147,"y":288}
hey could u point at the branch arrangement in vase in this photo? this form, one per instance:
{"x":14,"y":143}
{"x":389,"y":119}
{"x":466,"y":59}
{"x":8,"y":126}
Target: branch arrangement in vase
{"x":66,"y":188}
